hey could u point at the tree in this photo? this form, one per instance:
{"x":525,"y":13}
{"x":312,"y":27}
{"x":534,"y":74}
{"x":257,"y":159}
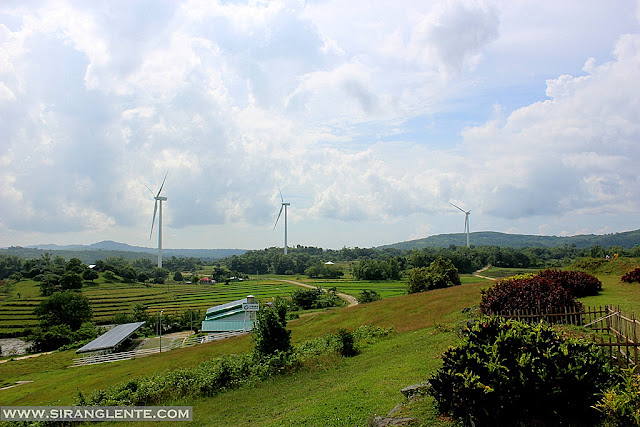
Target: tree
{"x":418,"y":280}
{"x":90,"y":275}
{"x":368,"y":296}
{"x":64,"y":308}
{"x":441,"y":273}
{"x":140,"y":313}
{"x":270,"y":333}
{"x":49,"y":283}
{"x":128,"y":274}
{"x":177,"y":276}
{"x":305,"y":298}
{"x":75,"y":265}
{"x":71,"y":280}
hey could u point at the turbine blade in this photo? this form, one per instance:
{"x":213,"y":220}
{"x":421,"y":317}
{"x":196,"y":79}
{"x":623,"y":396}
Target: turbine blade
{"x":279,"y":213}
{"x":150,"y":190}
{"x":153,"y":221}
{"x":457,"y":207}
{"x":281,"y":198}
{"x":165,"y":178}
{"x":466,"y":223}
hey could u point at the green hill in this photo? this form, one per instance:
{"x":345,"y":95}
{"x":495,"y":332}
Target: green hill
{"x":626,"y":240}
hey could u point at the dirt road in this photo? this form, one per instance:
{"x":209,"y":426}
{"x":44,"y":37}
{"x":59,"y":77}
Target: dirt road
{"x":351,"y":300}
{"x":477,"y":273}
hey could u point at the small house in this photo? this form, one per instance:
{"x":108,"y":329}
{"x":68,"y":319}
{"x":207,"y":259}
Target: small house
{"x":206,"y":281}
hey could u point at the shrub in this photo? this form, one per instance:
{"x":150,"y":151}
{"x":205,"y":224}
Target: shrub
{"x":270,"y":333}
{"x":346,"y":343}
{"x":441,"y":273}
{"x":620,"y":404}
{"x":578,"y":283}
{"x":368,"y":296}
{"x":506,"y":373}
{"x":632,"y":276}
{"x":315,"y":298}
{"x":305,"y":298}
{"x":548,"y":290}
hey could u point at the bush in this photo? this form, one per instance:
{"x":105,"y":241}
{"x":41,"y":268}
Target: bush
{"x":620,"y":404}
{"x":632,"y":276}
{"x":270,"y":333}
{"x":441,"y":273}
{"x":539,"y":292}
{"x":368,"y":296}
{"x":578,"y":283}
{"x":506,"y":373}
{"x":50,"y":338}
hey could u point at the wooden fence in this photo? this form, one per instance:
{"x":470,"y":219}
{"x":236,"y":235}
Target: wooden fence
{"x":622,"y":330}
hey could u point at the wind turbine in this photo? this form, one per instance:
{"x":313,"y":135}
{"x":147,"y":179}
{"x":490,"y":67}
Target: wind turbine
{"x":466,"y":220}
{"x":283,"y":205}
{"x":158,"y":198}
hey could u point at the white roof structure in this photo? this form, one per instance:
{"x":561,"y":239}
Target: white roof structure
{"x":112,"y":338}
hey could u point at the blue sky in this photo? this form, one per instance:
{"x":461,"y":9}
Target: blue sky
{"x":371,"y":117}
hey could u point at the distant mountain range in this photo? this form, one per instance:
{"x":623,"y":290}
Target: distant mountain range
{"x":108,"y":248}
{"x":102,"y":250}
{"x":627,"y":240}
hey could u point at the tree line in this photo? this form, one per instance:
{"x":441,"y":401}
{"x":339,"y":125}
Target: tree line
{"x":368,"y":263}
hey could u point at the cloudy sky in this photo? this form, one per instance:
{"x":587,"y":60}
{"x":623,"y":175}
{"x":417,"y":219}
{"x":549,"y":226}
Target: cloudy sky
{"x":371,"y":117}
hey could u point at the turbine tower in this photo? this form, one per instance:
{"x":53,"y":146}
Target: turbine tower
{"x":466,"y":220}
{"x":283,"y":205}
{"x":158,"y":198}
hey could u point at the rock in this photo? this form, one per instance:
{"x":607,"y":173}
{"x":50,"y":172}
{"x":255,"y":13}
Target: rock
{"x":390,"y":421}
{"x":415,"y":390}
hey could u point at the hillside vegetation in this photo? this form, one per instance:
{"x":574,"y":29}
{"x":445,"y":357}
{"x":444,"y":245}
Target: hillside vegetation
{"x":335,"y":391}
{"x":626,"y":240}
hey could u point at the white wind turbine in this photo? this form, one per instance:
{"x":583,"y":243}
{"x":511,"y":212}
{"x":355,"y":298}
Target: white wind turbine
{"x":158,"y":198}
{"x":466,"y":220}
{"x":283,"y":205}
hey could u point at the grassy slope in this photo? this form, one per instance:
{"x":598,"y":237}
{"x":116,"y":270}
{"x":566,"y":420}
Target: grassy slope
{"x":342,"y":392}
{"x":54,"y":383}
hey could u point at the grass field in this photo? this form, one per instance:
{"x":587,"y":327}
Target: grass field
{"x":345,"y":392}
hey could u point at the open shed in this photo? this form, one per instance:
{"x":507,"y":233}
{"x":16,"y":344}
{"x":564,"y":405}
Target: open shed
{"x":112,"y":339}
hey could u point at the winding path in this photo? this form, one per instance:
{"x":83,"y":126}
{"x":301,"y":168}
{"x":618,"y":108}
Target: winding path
{"x":477,"y":273}
{"x":350,"y":299}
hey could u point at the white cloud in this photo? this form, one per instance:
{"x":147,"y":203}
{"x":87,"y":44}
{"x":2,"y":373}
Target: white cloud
{"x":363,"y":113}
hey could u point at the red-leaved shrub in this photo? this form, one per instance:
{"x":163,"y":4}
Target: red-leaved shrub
{"x":548,"y":290}
{"x":526,"y":294}
{"x":632,"y":276}
{"x":579,"y":283}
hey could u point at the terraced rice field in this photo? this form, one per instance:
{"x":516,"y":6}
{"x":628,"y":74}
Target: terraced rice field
{"x":107,"y":299}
